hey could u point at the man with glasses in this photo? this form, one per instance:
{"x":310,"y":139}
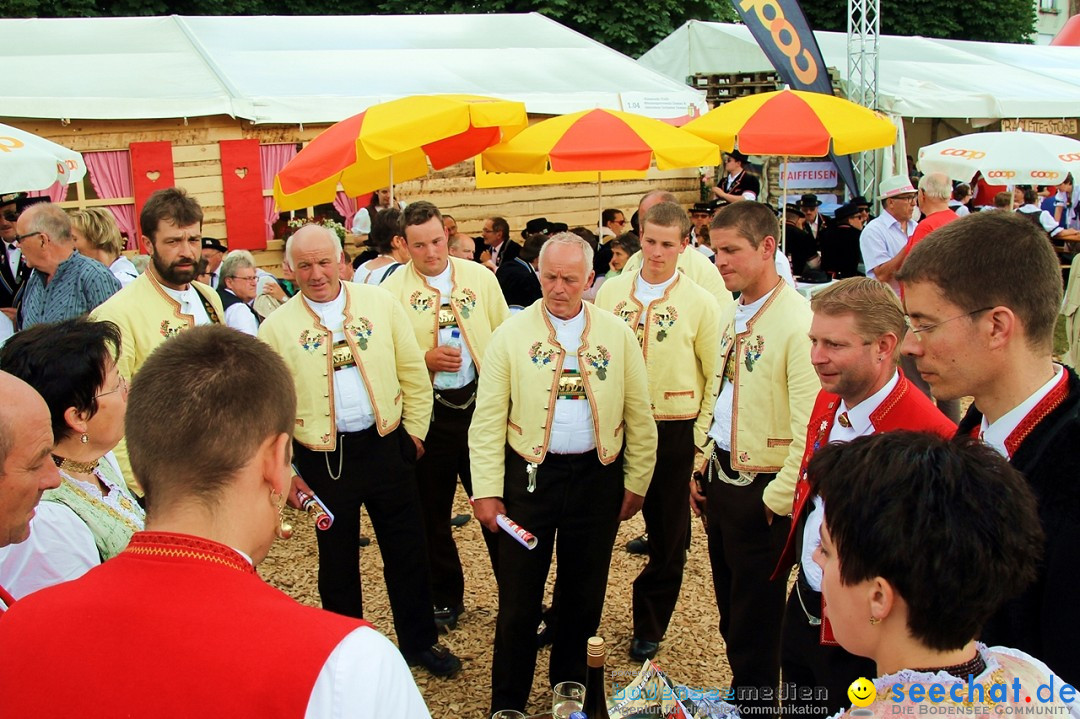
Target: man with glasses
{"x":13,"y":269}
{"x":982,"y":296}
{"x":497,"y":242}
{"x":64,"y":284}
{"x":884,"y":238}
{"x":238,"y":290}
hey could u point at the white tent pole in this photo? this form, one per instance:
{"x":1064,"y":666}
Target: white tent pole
{"x":599,"y":204}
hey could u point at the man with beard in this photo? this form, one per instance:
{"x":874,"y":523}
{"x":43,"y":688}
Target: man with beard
{"x":165,"y":300}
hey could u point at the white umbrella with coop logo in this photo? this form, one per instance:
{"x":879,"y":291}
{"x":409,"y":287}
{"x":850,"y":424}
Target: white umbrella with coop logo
{"x":1004,"y":158}
{"x":29,"y":162}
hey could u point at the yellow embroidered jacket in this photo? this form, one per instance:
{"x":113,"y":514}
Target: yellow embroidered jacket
{"x":381,"y":342}
{"x":679,"y":341}
{"x":146,"y":316}
{"x":697,"y":267}
{"x":475,"y":300}
{"x":775,"y":387}
{"x":515,"y":401}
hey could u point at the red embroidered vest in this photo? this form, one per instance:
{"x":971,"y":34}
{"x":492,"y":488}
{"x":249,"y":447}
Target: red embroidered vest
{"x":186,"y":625}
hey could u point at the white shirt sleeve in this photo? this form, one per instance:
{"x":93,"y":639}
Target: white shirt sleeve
{"x":1048,"y":224}
{"x":874,"y":247}
{"x":60,"y":548}
{"x":240,"y":317}
{"x":365,"y":677}
{"x":361,"y":223}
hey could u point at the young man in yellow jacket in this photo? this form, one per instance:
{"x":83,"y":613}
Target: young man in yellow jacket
{"x":761,"y":392}
{"x":363,"y":404}
{"x":677,"y":324}
{"x":563,"y":443}
{"x":165,"y":300}
{"x":443,"y":295}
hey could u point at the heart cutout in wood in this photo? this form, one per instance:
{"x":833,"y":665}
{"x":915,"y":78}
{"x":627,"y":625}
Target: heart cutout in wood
{"x":153,"y":175}
{"x":241,"y":172}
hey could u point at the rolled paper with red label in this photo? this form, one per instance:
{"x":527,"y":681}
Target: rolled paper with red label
{"x":311,"y":504}
{"x":516,"y":531}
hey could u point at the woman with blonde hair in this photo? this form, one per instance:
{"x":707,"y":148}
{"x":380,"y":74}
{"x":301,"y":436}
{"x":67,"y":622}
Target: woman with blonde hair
{"x":98,"y":237}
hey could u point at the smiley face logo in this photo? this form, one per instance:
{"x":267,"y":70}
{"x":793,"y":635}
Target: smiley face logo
{"x":862,"y":692}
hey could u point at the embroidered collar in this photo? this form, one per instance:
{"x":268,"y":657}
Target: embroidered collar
{"x":1012,"y":428}
{"x":186,"y":546}
{"x":860,"y":417}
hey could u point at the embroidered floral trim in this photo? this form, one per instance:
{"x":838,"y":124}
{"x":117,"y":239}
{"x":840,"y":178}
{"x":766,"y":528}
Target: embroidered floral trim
{"x":168,"y":331}
{"x":311,"y":341}
{"x":539,"y":355}
{"x":466,"y":303}
{"x":362,"y":331}
{"x":744,"y":457}
{"x":326,"y":438}
{"x":420,"y":301}
{"x":599,"y":361}
{"x":538,"y":449}
{"x":627,"y":314}
{"x":753,"y":352}
{"x":665,"y":320}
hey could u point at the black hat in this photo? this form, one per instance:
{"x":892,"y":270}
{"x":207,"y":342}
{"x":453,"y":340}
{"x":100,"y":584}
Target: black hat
{"x":859,"y":201}
{"x":792,"y":207}
{"x":845,"y":211}
{"x":703,"y":208}
{"x":736,"y":155}
{"x":540,"y":226}
{"x":10,"y":198}
{"x":210,"y":243}
{"x":557,"y":227}
{"x":23,"y":201}
{"x":809,"y":200}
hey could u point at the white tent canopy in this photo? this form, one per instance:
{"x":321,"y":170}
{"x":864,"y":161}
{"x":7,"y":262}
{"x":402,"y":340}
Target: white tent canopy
{"x":309,"y":69}
{"x":917,"y":77}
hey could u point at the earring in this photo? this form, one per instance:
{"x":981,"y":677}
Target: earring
{"x":283,"y":530}
{"x":874,"y":621}
{"x":84,"y":439}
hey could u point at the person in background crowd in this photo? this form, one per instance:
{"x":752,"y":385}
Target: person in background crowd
{"x":1004,"y":200}
{"x":213,"y":252}
{"x":97,"y":236}
{"x":91,"y":516}
{"x":914,"y":602}
{"x":462,"y":246}
{"x":385,"y":237}
{"x":1059,"y":204}
{"x":498,"y":247}
{"x":518,"y":279}
{"x":839,"y":243}
{"x":884,"y":238}
{"x":976,"y":331}
{"x":814,"y":222}
{"x":365,"y":217}
{"x":217,"y":474}
{"x":801,"y":245}
{"x":450,"y":224}
{"x":612,"y":224}
{"x":738,"y":184}
{"x":238,"y":291}
{"x":961,"y":199}
{"x":13,"y":269}
{"x":63,"y":283}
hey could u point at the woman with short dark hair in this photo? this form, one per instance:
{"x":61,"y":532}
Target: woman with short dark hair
{"x":92,"y":514}
{"x":923,"y":539}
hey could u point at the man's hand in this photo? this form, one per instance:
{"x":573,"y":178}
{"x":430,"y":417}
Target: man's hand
{"x":631,"y":505}
{"x":419,"y":446}
{"x":443,"y":359}
{"x":485,"y":510}
{"x":485,"y":256}
{"x":697,"y":499}
{"x":274,"y":290}
{"x":301,"y":485}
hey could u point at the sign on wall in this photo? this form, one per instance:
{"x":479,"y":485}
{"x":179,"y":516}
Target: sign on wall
{"x":1047,"y":125}
{"x":808,"y":175}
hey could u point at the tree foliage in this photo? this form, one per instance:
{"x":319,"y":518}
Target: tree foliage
{"x":984,"y":20}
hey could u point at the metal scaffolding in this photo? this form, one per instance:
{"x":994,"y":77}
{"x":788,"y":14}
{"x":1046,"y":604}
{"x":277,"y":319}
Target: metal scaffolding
{"x":863,"y":30}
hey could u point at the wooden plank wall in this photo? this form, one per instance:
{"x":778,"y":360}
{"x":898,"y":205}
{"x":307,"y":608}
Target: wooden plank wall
{"x":197,"y":163}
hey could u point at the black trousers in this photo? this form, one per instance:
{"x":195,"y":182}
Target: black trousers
{"x":446,"y":457}
{"x":809,"y":665}
{"x":378,"y":473}
{"x":743,"y":551}
{"x":574,"y":512}
{"x":667,"y":515}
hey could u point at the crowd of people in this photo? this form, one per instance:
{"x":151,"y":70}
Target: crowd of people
{"x":693,"y":381}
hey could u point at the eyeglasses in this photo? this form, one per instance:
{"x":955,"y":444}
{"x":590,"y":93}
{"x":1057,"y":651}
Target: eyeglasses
{"x":245,"y":279}
{"x":917,"y":331}
{"x":486,"y":231}
{"x":19,"y":238}
{"x":618,"y":222}
{"x":122,"y":386}
{"x":10,"y":215}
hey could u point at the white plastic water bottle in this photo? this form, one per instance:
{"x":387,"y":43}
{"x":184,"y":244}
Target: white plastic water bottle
{"x":450,"y":380}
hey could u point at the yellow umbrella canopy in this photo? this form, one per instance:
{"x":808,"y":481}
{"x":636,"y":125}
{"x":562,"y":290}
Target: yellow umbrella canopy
{"x":393,"y":142}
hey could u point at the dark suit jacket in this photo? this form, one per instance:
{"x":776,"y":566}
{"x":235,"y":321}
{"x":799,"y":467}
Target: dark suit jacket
{"x":519,"y":283}
{"x":10,"y":282}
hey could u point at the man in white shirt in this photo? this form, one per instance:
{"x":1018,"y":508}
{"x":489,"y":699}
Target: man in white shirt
{"x":239,"y":282}
{"x":982,"y":295}
{"x":26,"y":467}
{"x":213,"y":251}
{"x":884,"y":237}
{"x":1035,"y":214}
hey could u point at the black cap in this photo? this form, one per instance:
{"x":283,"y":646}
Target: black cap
{"x":736,"y":155}
{"x":809,"y":200}
{"x":24,"y":201}
{"x":703,"y":208}
{"x":211,"y":243}
{"x":10,"y":198}
{"x":845,"y":211}
{"x":859,"y":201}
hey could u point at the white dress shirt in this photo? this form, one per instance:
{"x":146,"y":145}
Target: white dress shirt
{"x":124,"y":271}
{"x":14,"y":254}
{"x":995,"y":434}
{"x":190,"y":304}
{"x":443,"y":284}
{"x":352,"y":405}
{"x":861,"y":426}
{"x":60,"y":548}
{"x":241,"y":317}
{"x":881,"y":240}
{"x":647,"y":293}
{"x":720,"y":430}
{"x":1046,"y":220}
{"x":571,"y":423}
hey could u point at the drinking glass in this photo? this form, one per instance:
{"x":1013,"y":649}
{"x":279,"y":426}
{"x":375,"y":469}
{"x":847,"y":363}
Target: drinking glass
{"x":569,"y":696}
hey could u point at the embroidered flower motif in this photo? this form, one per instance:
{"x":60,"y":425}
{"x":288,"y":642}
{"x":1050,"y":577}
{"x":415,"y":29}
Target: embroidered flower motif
{"x":665,"y":320}
{"x":361,"y":331}
{"x":326,"y":438}
{"x":744,"y":457}
{"x":627,"y":314}
{"x":599,"y":361}
{"x":311,"y":341}
{"x":466,"y":303}
{"x":539,"y":355}
{"x":753,"y":352}
{"x":420,"y":301}
{"x":168,"y":331}
{"x":538,"y":449}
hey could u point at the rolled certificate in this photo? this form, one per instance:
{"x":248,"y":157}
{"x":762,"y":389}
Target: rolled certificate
{"x":311,"y":504}
{"x":516,"y":531}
